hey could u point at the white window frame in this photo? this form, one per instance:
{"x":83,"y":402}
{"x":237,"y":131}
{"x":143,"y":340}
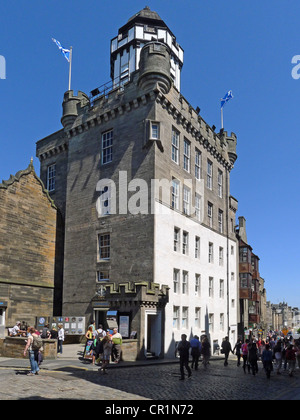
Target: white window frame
{"x":186,"y":155}
{"x":185,"y":317}
{"x":209,"y":183}
{"x":222,"y":322}
{"x":176,"y":239}
{"x":198,"y":157}
{"x":175,"y":194}
{"x":197,"y":284}
{"x":176,"y":280}
{"x":185,"y":243}
{"x":198,"y":207}
{"x":175,"y":145}
{"x":186,"y":200}
{"x":210,"y":252}
{"x":221,"y":256}
{"x":185,"y":282}
{"x":220,"y":220}
{"x":197,"y":317}
{"x":197,"y":247}
{"x":210,"y":214}
{"x":220,"y":183}
{"x":176,"y":317}
{"x":221,"y":289}
{"x":154,"y":130}
{"x":211,"y":287}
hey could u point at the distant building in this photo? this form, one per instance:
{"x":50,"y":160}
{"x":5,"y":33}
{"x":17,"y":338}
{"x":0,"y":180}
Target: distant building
{"x":251,"y":289}
{"x":29,"y":227}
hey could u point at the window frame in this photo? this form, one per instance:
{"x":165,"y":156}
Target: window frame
{"x":51,"y":177}
{"x":107,"y":147}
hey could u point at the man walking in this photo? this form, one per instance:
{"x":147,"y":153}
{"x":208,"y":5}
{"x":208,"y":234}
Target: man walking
{"x":183,"y":349}
{"x":226,"y":349}
{"x":195,"y":352}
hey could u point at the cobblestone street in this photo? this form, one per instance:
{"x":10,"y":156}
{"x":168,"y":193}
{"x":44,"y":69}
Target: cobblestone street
{"x":156,"y":382}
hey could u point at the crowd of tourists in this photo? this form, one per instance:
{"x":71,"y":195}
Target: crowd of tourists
{"x":277,"y":353}
{"x":102,"y":346}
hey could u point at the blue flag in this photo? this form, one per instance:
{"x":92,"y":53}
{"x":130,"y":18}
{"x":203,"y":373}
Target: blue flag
{"x":64,"y":51}
{"x":226,"y":98}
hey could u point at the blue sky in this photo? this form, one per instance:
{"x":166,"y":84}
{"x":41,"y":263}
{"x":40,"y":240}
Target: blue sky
{"x":243,"y":46}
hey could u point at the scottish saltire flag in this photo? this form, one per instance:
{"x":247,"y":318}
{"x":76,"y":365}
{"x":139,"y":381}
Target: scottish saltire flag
{"x":226,"y":98}
{"x":64,"y":51}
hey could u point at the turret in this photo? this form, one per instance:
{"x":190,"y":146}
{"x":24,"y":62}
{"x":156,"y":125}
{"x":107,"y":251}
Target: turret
{"x":231,"y":143}
{"x":71,"y":105}
{"x":155,"y":67}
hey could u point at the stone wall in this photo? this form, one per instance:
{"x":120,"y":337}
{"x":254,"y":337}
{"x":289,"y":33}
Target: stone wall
{"x":27,"y":247}
{"x":14,"y":347}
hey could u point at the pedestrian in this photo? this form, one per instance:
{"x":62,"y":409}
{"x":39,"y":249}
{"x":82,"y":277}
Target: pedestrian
{"x":107,"y":348}
{"x":267,"y":360}
{"x":291,"y":358}
{"x":45,"y":332}
{"x":53,"y":333}
{"x":297,"y":348}
{"x":278,"y":356}
{"x":32,"y":352}
{"x":101,"y":333}
{"x":244,"y":349}
{"x":60,"y":338}
{"x":88,"y":349}
{"x":15,"y":331}
{"x":205,"y":351}
{"x":238,"y":351}
{"x":253,"y":357}
{"x":117,"y":343}
{"x":183,"y":349}
{"x":195,"y":351}
{"x":226,"y":349}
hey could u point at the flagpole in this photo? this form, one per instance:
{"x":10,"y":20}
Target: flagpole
{"x":70,"y":68}
{"x":222,"y":117}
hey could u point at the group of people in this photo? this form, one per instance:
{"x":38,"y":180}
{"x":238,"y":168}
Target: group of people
{"x":197,"y":348}
{"x":103,"y":346}
{"x":272,"y":353}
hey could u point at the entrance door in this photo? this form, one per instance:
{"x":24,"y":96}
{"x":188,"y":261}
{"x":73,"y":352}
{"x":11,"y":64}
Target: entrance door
{"x":100,"y":317}
{"x":153,"y":330}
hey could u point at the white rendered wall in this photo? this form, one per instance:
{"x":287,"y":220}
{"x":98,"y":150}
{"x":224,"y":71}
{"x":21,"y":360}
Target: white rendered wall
{"x":166,"y":259}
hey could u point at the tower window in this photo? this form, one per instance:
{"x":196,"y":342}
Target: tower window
{"x":51,"y":172}
{"x":107,"y":146}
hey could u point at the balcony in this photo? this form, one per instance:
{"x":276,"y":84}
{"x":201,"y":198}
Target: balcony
{"x":245,"y":293}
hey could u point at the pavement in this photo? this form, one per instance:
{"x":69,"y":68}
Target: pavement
{"x":141,"y":384}
{"x":72,"y":357}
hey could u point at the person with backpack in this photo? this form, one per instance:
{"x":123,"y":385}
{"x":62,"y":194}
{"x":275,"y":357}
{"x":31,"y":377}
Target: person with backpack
{"x":33,"y":346}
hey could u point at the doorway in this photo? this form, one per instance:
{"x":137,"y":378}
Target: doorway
{"x":153,"y":331}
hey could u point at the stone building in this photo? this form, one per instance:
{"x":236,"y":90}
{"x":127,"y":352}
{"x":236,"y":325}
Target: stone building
{"x":252,"y":293}
{"x":28,"y":234}
{"x":143,"y":184}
